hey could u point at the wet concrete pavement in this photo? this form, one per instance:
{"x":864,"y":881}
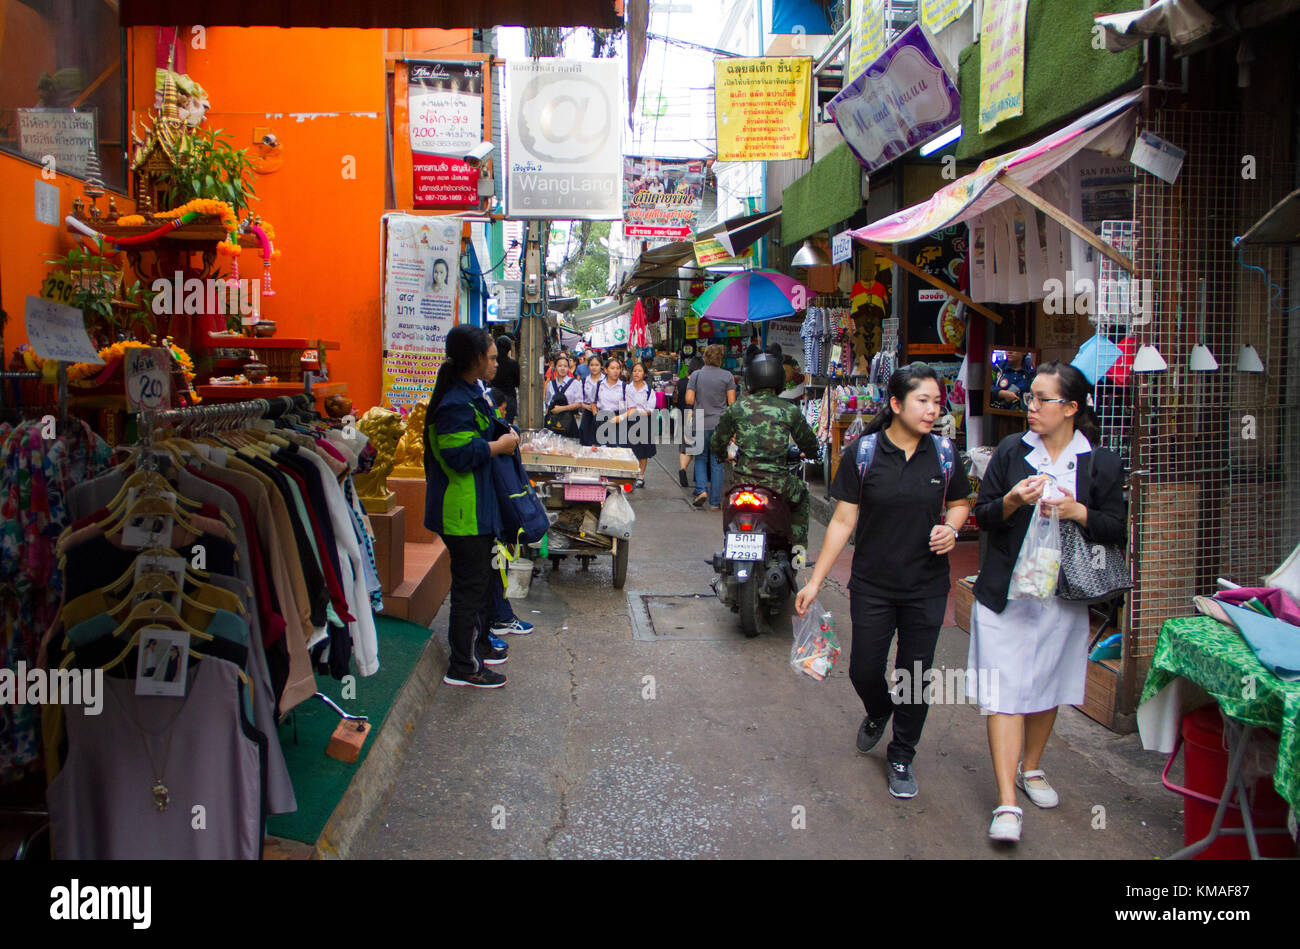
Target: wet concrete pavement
{"x":606,"y":746}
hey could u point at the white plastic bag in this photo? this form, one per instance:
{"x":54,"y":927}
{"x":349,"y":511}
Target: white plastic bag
{"x":1039,"y":563}
{"x":616,"y":516}
{"x":815,"y":650}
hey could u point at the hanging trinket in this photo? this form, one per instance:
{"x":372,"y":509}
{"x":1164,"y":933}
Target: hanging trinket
{"x":162,"y":798}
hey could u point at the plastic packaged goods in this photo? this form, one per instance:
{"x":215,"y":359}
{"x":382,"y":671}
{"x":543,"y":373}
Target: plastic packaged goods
{"x":1039,"y":564}
{"x":816,"y":649}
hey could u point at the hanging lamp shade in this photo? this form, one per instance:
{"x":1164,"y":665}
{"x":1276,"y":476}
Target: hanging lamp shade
{"x":1202,"y":359}
{"x":1148,"y":359}
{"x":1248,"y":360}
{"x":810,"y":255}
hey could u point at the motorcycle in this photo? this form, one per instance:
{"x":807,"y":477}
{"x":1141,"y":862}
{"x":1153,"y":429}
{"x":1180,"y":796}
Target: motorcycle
{"x":756,"y":567}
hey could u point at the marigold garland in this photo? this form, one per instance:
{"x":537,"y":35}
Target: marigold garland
{"x":80,"y":371}
{"x":131,"y":220}
{"x":208,"y":206}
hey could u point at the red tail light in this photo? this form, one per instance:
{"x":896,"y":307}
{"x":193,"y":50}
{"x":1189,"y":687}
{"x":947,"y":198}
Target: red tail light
{"x":745,"y":522}
{"x":748,"y":500}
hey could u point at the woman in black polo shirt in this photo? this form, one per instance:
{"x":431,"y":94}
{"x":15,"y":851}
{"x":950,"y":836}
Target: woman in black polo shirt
{"x":1027,"y":657}
{"x":900,"y":561}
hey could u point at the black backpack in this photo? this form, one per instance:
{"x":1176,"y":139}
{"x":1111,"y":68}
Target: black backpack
{"x":562,"y":423}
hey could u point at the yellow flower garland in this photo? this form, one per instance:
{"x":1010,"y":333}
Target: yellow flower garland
{"x":80,"y":371}
{"x":208,"y":206}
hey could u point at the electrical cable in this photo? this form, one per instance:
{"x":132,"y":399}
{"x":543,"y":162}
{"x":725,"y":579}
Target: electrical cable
{"x":1277,"y":291}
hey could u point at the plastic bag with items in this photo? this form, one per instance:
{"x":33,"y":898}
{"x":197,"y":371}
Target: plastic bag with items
{"x":815,"y":650}
{"x":616,"y":516}
{"x":1039,"y":563}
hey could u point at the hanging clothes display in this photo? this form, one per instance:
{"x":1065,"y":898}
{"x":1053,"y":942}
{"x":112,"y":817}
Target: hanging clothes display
{"x":208,"y":578}
{"x":36,"y":475}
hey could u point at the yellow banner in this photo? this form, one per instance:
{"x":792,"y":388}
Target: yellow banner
{"x":711,"y":253}
{"x":936,"y":14}
{"x":1002,"y":61}
{"x":408,"y":378}
{"x":692,"y":327}
{"x":866,"y":36}
{"x":762,"y":107}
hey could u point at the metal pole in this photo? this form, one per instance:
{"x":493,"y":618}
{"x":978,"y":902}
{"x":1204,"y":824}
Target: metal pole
{"x":532,"y":328}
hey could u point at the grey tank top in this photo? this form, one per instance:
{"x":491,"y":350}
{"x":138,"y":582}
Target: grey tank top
{"x":101,"y":804}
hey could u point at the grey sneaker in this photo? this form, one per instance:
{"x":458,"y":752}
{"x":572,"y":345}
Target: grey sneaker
{"x":901,"y":781}
{"x":869,"y":733}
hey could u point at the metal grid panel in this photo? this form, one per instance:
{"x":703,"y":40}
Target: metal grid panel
{"x":1215,"y":480}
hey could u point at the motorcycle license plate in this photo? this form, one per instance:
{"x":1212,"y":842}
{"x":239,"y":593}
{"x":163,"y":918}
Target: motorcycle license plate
{"x":745,"y":546}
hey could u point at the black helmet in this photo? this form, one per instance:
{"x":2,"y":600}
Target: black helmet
{"x":765,"y":372}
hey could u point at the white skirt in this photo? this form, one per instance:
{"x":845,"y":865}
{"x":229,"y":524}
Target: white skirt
{"x":1031,"y":657}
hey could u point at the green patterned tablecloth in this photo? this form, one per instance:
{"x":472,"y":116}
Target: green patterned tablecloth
{"x":1216,"y":658}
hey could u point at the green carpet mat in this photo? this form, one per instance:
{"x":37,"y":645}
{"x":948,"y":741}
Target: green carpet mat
{"x":319,"y":780}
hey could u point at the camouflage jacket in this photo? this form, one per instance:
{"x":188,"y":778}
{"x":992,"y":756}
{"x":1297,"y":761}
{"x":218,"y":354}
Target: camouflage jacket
{"x":763,"y":425}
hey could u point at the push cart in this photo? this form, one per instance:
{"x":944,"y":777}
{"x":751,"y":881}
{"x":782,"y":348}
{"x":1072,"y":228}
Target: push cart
{"x":576,"y":489}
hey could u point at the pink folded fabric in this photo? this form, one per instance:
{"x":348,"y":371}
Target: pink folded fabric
{"x":1276,"y":599}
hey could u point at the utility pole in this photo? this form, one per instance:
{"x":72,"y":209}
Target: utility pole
{"x":532,"y":327}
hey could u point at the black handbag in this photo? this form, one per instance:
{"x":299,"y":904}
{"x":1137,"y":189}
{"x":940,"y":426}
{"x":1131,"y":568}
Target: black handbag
{"x":1090,"y":573}
{"x":561,"y":423}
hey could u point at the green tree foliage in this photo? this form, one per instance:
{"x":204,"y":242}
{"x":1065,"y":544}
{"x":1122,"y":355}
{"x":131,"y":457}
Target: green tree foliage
{"x":586,"y":275}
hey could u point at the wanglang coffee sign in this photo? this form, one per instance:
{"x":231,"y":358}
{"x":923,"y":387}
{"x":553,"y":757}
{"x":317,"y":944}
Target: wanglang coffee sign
{"x":661,"y":196}
{"x":563,"y":139}
{"x":445,"y":104}
{"x":902,"y":99}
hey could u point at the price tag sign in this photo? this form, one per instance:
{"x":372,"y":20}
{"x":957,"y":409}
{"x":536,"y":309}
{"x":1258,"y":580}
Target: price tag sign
{"x":59,"y":332}
{"x":148,"y":378}
{"x":58,"y":287}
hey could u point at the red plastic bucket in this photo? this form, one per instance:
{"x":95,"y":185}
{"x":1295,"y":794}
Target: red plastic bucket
{"x":1205,"y":761}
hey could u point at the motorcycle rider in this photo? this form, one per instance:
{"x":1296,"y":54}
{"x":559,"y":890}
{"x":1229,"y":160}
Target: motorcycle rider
{"x":763,"y":425}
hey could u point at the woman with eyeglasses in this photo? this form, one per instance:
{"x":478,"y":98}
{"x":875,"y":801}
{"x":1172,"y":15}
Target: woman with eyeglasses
{"x":1028,"y":657}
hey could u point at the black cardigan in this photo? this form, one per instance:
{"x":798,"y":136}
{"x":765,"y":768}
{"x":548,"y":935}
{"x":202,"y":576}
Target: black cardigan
{"x":1099,"y":484}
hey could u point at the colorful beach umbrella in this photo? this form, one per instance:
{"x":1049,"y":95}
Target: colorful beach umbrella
{"x":752,"y":296}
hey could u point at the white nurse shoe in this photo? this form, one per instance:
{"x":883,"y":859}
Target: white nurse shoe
{"x":1043,"y":795}
{"x":1006,"y":828}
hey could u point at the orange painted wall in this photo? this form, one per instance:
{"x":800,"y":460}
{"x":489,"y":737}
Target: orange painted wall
{"x":324,"y":95}
{"x":25,"y":243}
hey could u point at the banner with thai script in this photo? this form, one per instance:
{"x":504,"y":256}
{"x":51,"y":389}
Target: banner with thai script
{"x":564,"y":136}
{"x":762,"y":107}
{"x":902,"y":99}
{"x":421,"y":285}
{"x":1002,"y":62}
{"x":936,"y":14}
{"x":866,"y":35}
{"x":661,"y":196}
{"x":709,"y":252}
{"x":65,"y":134}
{"x":445,"y":104}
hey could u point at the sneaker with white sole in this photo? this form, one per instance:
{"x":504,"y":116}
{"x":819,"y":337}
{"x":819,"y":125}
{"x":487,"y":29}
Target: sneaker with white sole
{"x":483,"y":679}
{"x":1044,"y":796}
{"x":496,"y":642}
{"x":516,"y":627}
{"x":902,"y":783}
{"x":1003,"y":828}
{"x":496,"y":657}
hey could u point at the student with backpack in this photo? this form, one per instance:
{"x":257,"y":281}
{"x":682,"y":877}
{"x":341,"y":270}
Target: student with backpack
{"x":899,"y":487}
{"x":564,"y":401}
{"x":610,"y":397}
